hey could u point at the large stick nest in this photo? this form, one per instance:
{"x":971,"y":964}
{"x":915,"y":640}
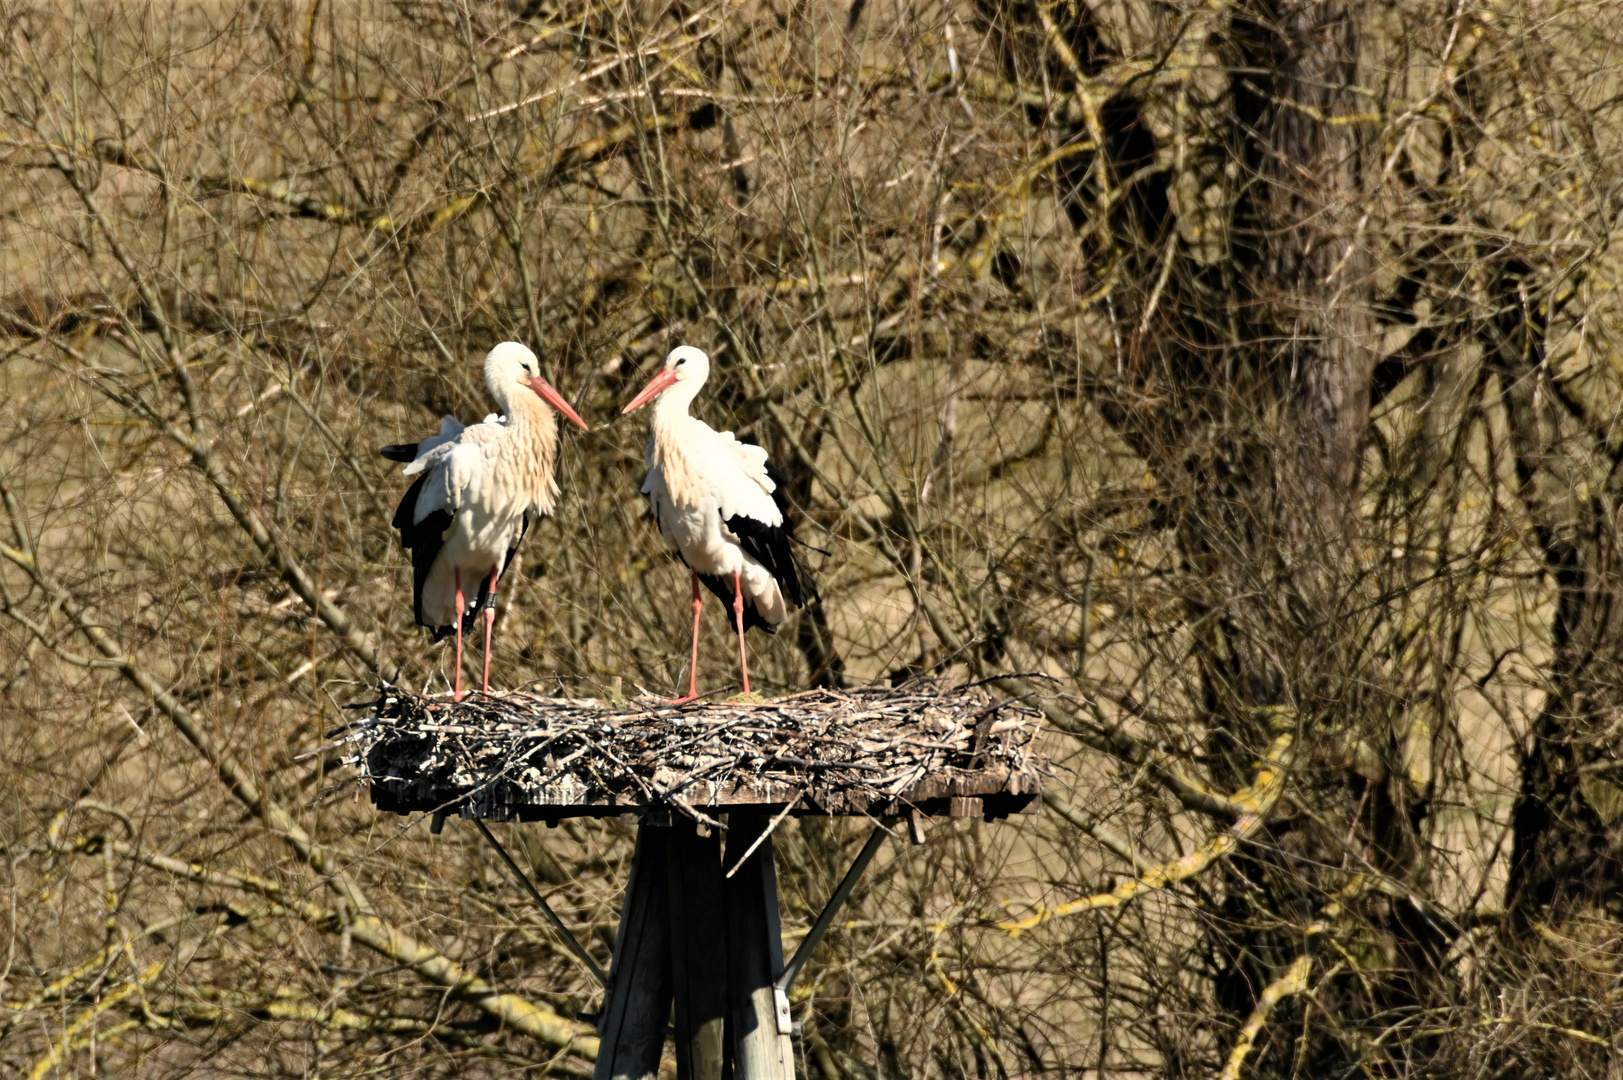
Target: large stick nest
{"x":877,"y":751}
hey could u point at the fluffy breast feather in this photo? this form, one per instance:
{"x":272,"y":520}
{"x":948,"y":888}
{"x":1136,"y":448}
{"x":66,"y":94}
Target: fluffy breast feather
{"x":697,"y":462}
{"x":504,"y":469}
{"x":671,"y":448}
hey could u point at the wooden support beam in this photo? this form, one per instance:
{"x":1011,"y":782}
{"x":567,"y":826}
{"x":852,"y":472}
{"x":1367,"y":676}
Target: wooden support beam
{"x":632,"y":1025}
{"x":698,"y":960}
{"x":758,"y":1013}
{"x":825,"y":919}
{"x":569,"y":939}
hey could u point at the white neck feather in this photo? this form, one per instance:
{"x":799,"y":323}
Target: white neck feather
{"x":673,"y":404}
{"x":675,"y":441}
{"x":521,"y":405}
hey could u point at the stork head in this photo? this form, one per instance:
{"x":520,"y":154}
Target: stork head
{"x":685,"y":366}
{"x":510,"y":367}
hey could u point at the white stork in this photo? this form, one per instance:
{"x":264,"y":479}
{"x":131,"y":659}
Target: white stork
{"x":721,"y":505}
{"x":476,"y":490}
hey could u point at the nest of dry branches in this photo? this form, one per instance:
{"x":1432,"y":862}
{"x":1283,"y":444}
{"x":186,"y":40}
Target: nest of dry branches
{"x":877,"y":751}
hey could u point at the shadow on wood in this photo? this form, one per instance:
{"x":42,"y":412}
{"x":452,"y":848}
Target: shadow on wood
{"x":698,"y":963}
{"x":632,"y":1025}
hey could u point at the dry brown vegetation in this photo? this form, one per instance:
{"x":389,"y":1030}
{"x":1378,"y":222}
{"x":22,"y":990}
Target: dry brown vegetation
{"x":1238,"y":381}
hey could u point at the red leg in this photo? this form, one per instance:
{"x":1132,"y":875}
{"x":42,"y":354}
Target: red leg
{"x":456,"y":692}
{"x":490,"y":621}
{"x":693,"y":663}
{"x":738,"y":616}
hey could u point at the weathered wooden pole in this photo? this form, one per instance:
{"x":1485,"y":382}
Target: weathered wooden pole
{"x":758,"y":1012}
{"x":632,"y":1026}
{"x":698,"y":959}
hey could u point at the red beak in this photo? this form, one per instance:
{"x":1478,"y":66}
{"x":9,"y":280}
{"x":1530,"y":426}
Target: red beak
{"x":656,"y":386}
{"x":556,"y":400}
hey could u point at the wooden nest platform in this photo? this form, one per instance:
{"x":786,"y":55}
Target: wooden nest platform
{"x":876,"y":752}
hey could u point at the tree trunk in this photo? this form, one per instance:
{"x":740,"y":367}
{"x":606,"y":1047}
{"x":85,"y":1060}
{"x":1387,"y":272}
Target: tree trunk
{"x":1566,"y":847}
{"x":1244,"y":384}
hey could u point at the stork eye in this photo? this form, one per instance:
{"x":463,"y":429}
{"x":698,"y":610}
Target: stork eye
{"x":682,"y":361}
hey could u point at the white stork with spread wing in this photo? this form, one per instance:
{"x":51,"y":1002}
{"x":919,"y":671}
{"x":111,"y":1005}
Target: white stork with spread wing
{"x":477,"y":488}
{"x":721,"y":505}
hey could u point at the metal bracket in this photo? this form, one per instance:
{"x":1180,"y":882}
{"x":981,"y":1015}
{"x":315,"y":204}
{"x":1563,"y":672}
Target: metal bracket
{"x":546,"y":909}
{"x":780,"y":1002}
{"x":824,"y":921}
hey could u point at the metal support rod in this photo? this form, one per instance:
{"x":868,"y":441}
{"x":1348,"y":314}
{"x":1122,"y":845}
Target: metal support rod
{"x":546,"y":908}
{"x":832,"y":908}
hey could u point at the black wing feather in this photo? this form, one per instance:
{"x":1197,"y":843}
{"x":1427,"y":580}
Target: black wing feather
{"x":423,"y":539}
{"x":400,"y":451}
{"x":779,"y":482}
{"x":768,"y":545}
{"x":772,"y":545}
